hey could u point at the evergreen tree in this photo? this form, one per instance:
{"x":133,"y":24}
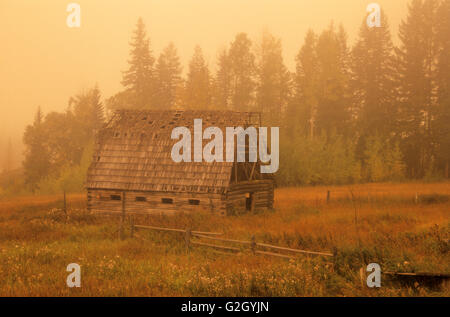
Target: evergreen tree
{"x":273,"y":79}
{"x":373,"y":70}
{"x":83,"y":119}
{"x":88,"y":110}
{"x":416,"y":67}
{"x":303,"y":104}
{"x":333,"y":96}
{"x":168,"y":74}
{"x":139,"y":78}
{"x":37,"y":161}
{"x":222,"y":82}
{"x":441,"y":127}
{"x":242,"y":72}
{"x":98,"y":110}
{"x":374,"y":83}
{"x":198,"y":85}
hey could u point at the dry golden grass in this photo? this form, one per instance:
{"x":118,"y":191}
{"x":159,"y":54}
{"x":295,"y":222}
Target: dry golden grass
{"x":391,"y":228}
{"x":11,"y":205}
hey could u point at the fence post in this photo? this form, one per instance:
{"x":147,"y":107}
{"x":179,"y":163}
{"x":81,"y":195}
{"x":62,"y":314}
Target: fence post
{"x":362,"y":276}
{"x":187,"y":238}
{"x":122,"y":220}
{"x":253,"y":244}
{"x":328,"y":196}
{"x":65,"y":206}
{"x":131,"y":226}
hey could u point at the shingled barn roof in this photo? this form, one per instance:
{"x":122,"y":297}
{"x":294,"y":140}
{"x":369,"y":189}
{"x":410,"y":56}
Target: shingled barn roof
{"x":133,"y":152}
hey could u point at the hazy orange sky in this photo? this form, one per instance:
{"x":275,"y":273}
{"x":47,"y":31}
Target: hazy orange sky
{"x":44,"y":62}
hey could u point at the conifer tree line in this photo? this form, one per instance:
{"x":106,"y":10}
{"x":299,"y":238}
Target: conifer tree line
{"x":360,"y":112}
{"x":59,"y":146}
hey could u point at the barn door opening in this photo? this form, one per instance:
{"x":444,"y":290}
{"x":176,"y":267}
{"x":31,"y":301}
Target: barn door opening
{"x":249,"y":201}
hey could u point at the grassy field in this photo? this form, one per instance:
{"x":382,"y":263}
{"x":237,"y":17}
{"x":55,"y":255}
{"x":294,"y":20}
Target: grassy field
{"x":382,"y":223}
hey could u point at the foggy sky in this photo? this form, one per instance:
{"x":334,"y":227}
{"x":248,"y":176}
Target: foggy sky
{"x":43,"y":62}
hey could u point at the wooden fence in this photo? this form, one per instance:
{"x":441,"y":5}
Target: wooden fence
{"x":196,"y":238}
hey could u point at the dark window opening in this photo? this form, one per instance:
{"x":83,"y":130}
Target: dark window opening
{"x":249,"y":201}
{"x":139,"y":198}
{"x":116,"y":197}
{"x":167,"y":200}
{"x":194,"y":202}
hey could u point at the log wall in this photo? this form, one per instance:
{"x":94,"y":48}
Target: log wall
{"x":262,"y":192}
{"x":101,"y":201}
{"x":235,"y":199}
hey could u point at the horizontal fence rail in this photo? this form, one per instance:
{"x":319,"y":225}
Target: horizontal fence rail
{"x":293,"y":250}
{"x":275,"y":254}
{"x":221,"y":239}
{"x":177,"y":230}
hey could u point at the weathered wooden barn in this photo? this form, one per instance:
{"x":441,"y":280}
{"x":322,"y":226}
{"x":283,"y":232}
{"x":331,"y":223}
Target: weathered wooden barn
{"x":132,"y":167}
